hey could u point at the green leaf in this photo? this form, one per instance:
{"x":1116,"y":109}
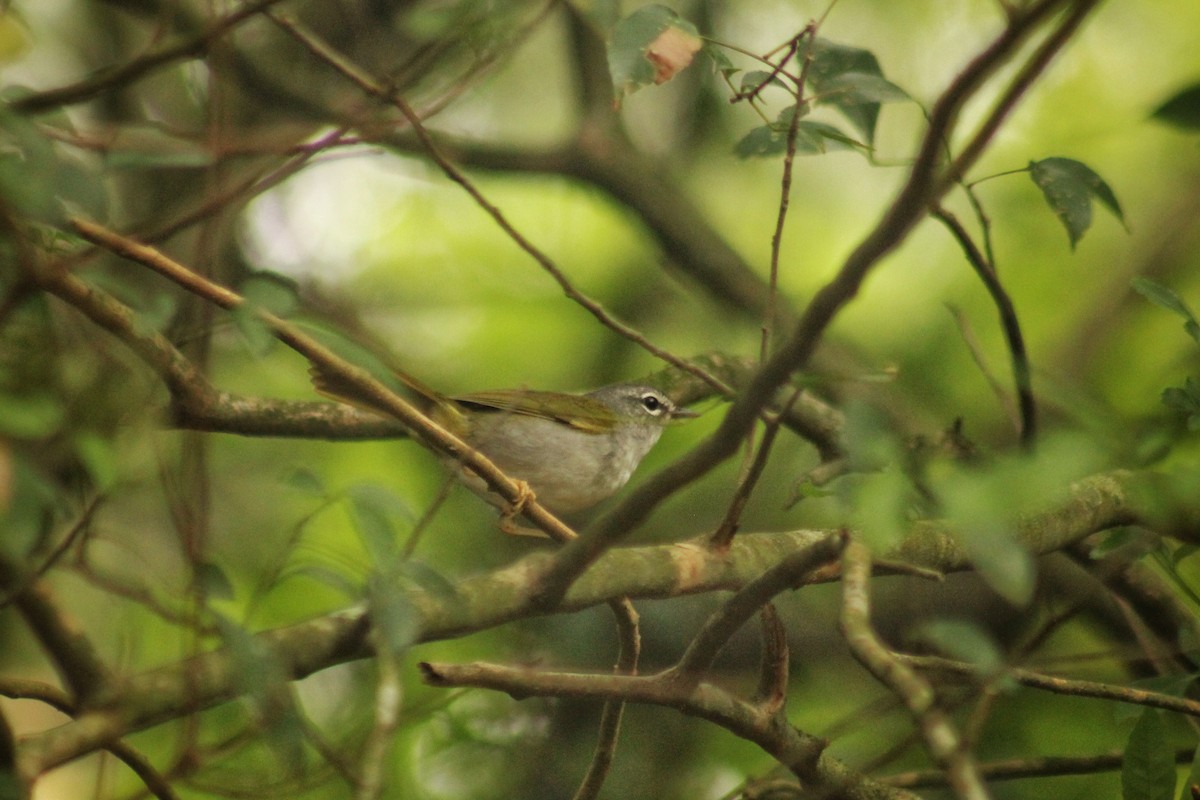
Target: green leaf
{"x":964,"y":641}
{"x":216,"y":583}
{"x":851,"y":80}
{"x":394,"y":619}
{"x":1185,"y":400}
{"x":1069,"y":187}
{"x":1163,"y":296}
{"x":31,"y":416}
{"x":632,"y":37}
{"x":99,"y":459}
{"x":1181,"y":110}
{"x":1002,"y":562}
{"x":755,"y":78}
{"x":811,"y":138}
{"x":861,"y":88}
{"x":304,"y":480}
{"x":1148,"y":772}
{"x":262,"y":678}
{"x":721,"y":62}
{"x":264,"y":291}
{"x":374,"y":511}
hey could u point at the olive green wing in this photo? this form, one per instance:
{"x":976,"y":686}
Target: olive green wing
{"x":578,"y":411}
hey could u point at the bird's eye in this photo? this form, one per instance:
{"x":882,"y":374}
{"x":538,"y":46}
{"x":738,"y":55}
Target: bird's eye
{"x":651,"y":403}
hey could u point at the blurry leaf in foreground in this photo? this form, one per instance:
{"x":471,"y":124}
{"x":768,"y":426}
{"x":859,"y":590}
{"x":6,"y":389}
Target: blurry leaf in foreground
{"x":1181,"y":110}
{"x":1148,"y":772}
{"x":1069,"y":187}
{"x":1166,"y":297}
{"x":262,"y":678}
{"x":963,"y":641}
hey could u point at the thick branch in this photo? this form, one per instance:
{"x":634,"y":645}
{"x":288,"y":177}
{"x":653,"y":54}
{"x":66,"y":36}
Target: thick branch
{"x":501,"y":596}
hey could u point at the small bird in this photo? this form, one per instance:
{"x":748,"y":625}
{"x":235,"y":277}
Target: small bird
{"x":572,"y":450}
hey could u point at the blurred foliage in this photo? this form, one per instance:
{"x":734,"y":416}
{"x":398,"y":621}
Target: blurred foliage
{"x":164,"y":543}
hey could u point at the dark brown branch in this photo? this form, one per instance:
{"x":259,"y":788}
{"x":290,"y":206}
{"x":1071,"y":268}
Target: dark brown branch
{"x":70,"y":651}
{"x":1026,"y":402}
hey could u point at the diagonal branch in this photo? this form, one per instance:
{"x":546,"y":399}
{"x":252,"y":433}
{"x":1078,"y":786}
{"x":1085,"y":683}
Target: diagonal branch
{"x":923,"y":188}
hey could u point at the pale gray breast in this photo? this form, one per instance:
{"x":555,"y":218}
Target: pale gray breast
{"x":567,"y":469}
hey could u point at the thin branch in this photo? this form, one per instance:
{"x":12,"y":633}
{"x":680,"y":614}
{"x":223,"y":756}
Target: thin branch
{"x":118,"y":77}
{"x":1026,"y":402}
{"x":71,"y":652}
{"x":630,"y":644}
{"x":774,"y":669}
{"x":386,"y":93}
{"x":801,"y":753}
{"x":500,"y":596}
{"x":1065,"y":686}
{"x":790,"y":572}
{"x":362,"y":382}
{"x":1020,"y":768}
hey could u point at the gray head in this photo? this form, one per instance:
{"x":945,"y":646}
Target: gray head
{"x":633,"y":403}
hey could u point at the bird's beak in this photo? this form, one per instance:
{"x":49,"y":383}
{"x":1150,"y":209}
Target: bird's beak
{"x":683,"y":413}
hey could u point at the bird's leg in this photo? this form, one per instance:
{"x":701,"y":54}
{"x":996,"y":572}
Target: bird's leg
{"x":511,"y":512}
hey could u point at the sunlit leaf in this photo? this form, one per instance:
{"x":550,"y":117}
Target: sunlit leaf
{"x":1069,"y":187}
{"x":1148,"y":771}
{"x":1182,"y":109}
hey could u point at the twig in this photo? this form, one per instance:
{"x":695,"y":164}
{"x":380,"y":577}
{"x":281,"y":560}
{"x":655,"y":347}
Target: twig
{"x":1065,"y":686}
{"x":500,"y":596}
{"x":977,"y":355}
{"x":367,"y":386}
{"x":630,"y":644}
{"x":73,"y":655}
{"x":723,"y":623}
{"x":1009,"y":323}
{"x":128,"y":73}
{"x":941,"y":739}
{"x":773,"y":671}
{"x":386,"y":93}
{"x":1014,"y":769}
{"x":725,"y":532}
